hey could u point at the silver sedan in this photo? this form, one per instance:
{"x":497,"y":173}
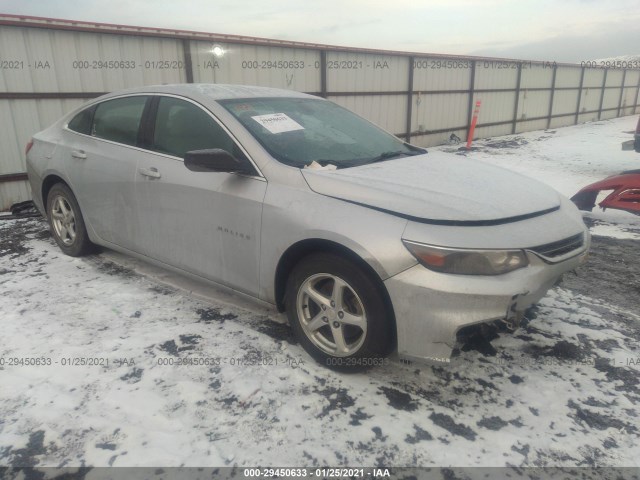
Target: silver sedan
{"x":368,"y":243}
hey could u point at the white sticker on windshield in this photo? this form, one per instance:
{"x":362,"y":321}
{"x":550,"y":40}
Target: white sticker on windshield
{"x":278,"y":122}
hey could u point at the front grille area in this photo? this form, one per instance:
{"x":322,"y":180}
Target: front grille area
{"x":561,"y":247}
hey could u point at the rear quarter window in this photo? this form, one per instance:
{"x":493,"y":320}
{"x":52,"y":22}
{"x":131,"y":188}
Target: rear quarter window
{"x":81,"y":123}
{"x":119,"y":120}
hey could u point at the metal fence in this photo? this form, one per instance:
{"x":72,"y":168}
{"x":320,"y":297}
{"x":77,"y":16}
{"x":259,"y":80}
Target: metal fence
{"x":49,"y":66}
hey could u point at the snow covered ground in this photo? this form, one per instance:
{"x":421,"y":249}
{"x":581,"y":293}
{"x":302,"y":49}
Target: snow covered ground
{"x":564,"y":390}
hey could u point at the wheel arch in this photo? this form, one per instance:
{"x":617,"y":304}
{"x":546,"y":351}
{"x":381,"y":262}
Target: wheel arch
{"x":303,"y":248}
{"x":47,"y":184}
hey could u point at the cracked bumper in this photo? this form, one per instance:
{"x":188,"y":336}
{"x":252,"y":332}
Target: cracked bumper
{"x":431,"y":307}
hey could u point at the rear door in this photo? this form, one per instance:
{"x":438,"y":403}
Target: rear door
{"x":207,"y":223}
{"x":101,"y":143}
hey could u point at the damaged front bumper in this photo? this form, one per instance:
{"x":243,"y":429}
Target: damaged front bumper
{"x":431,"y":307}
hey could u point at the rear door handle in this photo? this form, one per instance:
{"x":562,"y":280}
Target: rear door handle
{"x":78,"y":154}
{"x":150,"y":172}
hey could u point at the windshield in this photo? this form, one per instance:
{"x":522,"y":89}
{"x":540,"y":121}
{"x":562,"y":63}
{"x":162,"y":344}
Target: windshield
{"x":300,"y":131}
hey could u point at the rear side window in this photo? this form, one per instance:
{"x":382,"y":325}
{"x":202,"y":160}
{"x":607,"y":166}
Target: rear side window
{"x":182,"y":126}
{"x":119,"y":120}
{"x":81,"y":123}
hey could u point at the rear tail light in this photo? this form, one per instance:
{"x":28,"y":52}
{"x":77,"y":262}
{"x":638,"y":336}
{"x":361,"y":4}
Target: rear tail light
{"x":28,"y":147}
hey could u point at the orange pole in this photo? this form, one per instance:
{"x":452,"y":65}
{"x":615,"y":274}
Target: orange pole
{"x":474,"y":120}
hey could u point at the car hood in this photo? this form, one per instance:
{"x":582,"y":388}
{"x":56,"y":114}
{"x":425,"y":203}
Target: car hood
{"x":438,"y":188}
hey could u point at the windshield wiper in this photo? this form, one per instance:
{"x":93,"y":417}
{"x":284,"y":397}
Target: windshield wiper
{"x":413,"y":148}
{"x":358,"y":162}
{"x":389,"y":155}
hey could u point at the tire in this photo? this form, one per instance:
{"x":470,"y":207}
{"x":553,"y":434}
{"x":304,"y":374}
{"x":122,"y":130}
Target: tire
{"x":66,"y":222}
{"x":347,"y":329}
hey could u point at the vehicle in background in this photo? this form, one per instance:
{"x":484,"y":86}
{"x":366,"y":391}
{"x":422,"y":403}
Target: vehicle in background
{"x":625,"y":193}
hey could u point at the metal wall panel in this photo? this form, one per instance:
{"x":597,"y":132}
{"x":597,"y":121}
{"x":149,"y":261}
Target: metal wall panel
{"x":631,"y":78}
{"x":359,"y":72}
{"x":441,"y":74}
{"x":18,"y":77}
{"x":628,"y":98}
{"x":565,"y":101}
{"x":494,"y":131}
{"x":563,"y":121}
{"x":568,"y":76}
{"x":13,"y":192}
{"x":495,"y":74}
{"x":614,"y":78}
{"x":610,"y":98}
{"x":608,"y":114}
{"x":532,"y":125}
{"x":20,"y":119}
{"x":587,"y":117}
{"x":593,"y":77}
{"x":435,"y":112}
{"x":278,"y":67}
{"x":11,"y":139}
{"x":533,"y":104}
{"x":495,"y":107}
{"x":590,"y":99}
{"x":386,"y":111}
{"x":62,"y":61}
{"x":536,"y":76}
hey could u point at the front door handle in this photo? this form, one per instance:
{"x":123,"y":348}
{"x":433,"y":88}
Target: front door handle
{"x":150,"y":172}
{"x":78,"y":154}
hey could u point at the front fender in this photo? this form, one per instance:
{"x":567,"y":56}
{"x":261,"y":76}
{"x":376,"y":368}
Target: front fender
{"x":291,"y":215}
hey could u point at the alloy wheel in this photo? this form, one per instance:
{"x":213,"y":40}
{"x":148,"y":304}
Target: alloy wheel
{"x":64,"y":220}
{"x":331,"y":314}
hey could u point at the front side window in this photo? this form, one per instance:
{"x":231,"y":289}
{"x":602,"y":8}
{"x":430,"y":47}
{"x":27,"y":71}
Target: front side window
{"x":299,"y":131}
{"x":181,"y":127}
{"x":119,"y":120}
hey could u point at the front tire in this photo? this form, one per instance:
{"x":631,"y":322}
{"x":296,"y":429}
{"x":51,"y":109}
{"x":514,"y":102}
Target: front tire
{"x":66,"y":222}
{"x":338,"y":313}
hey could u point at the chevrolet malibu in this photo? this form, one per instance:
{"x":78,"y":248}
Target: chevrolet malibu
{"x":368,"y":243}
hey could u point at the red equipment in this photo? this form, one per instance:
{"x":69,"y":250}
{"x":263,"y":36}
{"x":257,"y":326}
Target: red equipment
{"x":625,"y":194}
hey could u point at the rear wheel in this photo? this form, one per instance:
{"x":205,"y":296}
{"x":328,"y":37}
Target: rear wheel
{"x":66,"y":222}
{"x":338,"y":313}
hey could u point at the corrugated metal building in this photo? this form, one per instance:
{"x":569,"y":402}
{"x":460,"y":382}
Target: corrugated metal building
{"x":50,"y":66}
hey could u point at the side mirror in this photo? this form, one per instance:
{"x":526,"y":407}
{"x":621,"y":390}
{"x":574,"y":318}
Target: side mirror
{"x":215,"y":160}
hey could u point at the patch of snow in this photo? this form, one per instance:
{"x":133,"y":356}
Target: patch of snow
{"x":262,"y":389}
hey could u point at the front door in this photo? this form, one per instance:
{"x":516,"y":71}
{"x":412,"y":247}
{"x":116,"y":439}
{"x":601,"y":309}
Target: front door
{"x":207,"y":223}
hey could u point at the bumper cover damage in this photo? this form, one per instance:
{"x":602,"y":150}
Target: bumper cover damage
{"x":428,"y":318}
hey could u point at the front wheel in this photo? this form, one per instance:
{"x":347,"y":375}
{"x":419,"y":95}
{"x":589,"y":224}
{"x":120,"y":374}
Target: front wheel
{"x":67,"y":224}
{"x":337,"y":313}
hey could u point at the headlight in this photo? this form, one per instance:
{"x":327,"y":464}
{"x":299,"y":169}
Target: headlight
{"x":467,"y":262}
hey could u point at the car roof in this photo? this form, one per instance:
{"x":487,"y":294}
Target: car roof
{"x":212,"y":91}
